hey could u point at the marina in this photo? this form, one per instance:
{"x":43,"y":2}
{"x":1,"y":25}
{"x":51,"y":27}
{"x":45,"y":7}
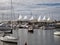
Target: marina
{"x":29,"y":22}
{"x":30,"y":32}
{"x":23,"y":32}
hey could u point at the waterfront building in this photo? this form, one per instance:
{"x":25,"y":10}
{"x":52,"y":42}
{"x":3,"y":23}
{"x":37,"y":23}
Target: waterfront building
{"x":32,"y":18}
{"x":20,"y":17}
{"x":39,"y":19}
{"x":25,"y":17}
{"x":44,"y":19}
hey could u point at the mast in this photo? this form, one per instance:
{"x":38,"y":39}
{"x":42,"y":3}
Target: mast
{"x":11,"y":10}
{"x":11,"y":14}
{"x":31,"y":16}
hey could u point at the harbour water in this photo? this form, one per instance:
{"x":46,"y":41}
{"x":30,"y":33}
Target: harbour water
{"x":39,"y":37}
{"x":11,"y":9}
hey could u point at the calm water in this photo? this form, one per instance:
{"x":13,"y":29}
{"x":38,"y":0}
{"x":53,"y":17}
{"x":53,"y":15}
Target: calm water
{"x":39,"y":37}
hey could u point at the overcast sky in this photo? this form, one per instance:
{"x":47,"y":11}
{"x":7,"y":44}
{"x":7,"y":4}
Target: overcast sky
{"x":25,"y":7}
{"x":31,"y":1}
{"x":34,"y":0}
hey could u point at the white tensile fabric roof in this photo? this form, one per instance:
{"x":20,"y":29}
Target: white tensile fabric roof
{"x":31,"y":18}
{"x":44,"y":18}
{"x":25,"y":17}
{"x":39,"y":18}
{"x":20,"y":17}
{"x":48,"y":19}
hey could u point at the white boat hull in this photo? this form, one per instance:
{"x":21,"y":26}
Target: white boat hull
{"x":57,"y":33}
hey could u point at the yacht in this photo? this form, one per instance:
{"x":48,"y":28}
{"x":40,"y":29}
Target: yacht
{"x":7,"y":37}
{"x":57,"y":33}
{"x":30,"y":29}
{"x":5,"y":27}
{"x":24,"y":26}
{"x":1,"y":24}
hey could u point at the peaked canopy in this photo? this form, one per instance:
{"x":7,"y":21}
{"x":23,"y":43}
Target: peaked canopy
{"x":32,"y":18}
{"x":39,"y":19}
{"x":20,"y":17}
{"x":25,"y":17}
{"x":48,"y":19}
{"x":44,"y":18}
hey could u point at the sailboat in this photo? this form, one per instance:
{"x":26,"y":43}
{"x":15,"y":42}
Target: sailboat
{"x":57,"y":33}
{"x":7,"y":30}
{"x":30,"y":29}
{"x":1,"y":24}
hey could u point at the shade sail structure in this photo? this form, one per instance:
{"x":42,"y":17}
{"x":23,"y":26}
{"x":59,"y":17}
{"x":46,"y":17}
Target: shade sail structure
{"x":25,"y":17}
{"x":48,"y":19}
{"x":20,"y":17}
{"x":44,"y":18}
{"x":32,"y":18}
{"x":39,"y":18}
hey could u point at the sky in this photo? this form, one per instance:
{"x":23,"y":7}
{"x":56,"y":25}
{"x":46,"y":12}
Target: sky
{"x":48,"y":8}
{"x":31,"y":1}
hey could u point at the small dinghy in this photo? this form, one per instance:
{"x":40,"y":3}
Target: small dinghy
{"x":30,"y":30}
{"x":57,"y":33}
{"x":7,"y":37}
{"x":10,"y":37}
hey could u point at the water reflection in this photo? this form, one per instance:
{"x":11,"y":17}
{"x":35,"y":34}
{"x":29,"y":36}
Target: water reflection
{"x":39,"y":37}
{"x":57,"y":40}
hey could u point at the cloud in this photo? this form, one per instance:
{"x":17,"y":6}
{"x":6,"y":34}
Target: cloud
{"x":4,"y":1}
{"x":36,"y":1}
{"x":25,"y":7}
